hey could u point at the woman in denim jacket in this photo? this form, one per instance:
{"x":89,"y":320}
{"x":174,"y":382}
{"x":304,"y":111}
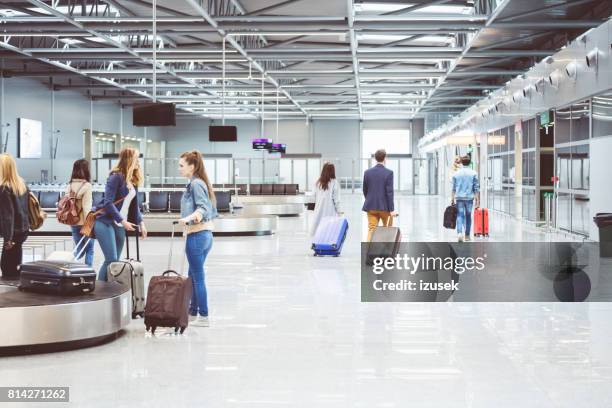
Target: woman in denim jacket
{"x":198,"y":208}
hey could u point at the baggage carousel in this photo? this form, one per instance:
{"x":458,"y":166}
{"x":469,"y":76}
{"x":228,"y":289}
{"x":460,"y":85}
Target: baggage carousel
{"x":160,"y":224}
{"x":40,"y":323}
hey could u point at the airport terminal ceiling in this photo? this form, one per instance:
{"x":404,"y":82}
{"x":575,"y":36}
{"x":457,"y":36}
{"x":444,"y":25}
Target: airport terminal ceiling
{"x":321,"y":58}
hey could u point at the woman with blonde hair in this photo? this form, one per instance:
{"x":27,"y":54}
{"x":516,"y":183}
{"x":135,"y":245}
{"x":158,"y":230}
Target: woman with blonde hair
{"x":198,"y":209}
{"x":121,"y":209}
{"x":14,"y":221}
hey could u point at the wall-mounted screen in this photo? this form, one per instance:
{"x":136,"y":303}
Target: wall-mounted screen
{"x":278,"y":148}
{"x":222,"y":134}
{"x":29,"y":142}
{"x":262,"y":144}
{"x":154,"y":114}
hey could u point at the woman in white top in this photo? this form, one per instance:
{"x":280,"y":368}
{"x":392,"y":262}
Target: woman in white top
{"x":80,"y":185}
{"x":121,"y":208}
{"x":327,"y":196}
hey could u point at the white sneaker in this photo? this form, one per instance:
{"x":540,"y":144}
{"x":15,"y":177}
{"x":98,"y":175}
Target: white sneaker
{"x":459,"y":237}
{"x":201,"y":321}
{"x":468,"y":238}
{"x":193,"y":318}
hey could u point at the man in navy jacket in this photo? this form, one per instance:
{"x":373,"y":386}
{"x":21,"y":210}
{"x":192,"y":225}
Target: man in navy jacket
{"x":378,"y":193}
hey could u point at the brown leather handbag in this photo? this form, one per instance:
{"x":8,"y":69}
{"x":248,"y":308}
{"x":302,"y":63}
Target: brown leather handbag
{"x":87,"y":229}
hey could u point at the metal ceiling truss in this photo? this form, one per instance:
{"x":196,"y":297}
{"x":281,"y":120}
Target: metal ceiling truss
{"x":404,"y":62}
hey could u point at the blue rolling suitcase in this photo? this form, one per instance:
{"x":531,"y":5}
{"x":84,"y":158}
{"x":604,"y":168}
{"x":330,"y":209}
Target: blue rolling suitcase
{"x":330,"y":236}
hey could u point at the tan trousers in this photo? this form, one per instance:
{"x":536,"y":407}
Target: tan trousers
{"x":374,"y":217}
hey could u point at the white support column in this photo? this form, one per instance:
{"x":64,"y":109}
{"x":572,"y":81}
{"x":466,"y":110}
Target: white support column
{"x":52,"y":147}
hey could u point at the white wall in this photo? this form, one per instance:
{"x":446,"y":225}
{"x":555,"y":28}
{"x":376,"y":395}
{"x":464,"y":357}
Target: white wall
{"x":338,"y":140}
{"x":192,"y":133}
{"x":32,"y":99}
{"x":600,"y":194}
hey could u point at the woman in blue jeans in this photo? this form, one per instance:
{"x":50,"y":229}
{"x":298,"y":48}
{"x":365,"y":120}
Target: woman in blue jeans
{"x":198,"y":208}
{"x":121,"y":209}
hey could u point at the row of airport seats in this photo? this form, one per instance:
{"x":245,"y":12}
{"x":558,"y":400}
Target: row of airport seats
{"x":273,"y":189}
{"x":162,"y":201}
{"x":158,"y":201}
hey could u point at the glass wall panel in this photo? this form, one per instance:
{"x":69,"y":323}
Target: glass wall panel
{"x":285,"y":171}
{"x":529,"y":204}
{"x":580,"y":121}
{"x":563,"y":167}
{"x":580,"y":214}
{"x":564,"y":208}
{"x":511,"y":201}
{"x":241,"y":170}
{"x":257,"y":168}
{"x":602,"y":115}
{"x":562,"y":125}
{"x":406,"y":176}
{"x":393,"y":165}
{"x":580,"y":167}
{"x":532,"y":168}
{"x":299,"y":173}
{"x":525,"y":168}
{"x":533,"y":128}
{"x":314,"y":170}
{"x":224,"y":171}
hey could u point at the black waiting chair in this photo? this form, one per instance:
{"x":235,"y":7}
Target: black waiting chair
{"x":48,"y":200}
{"x":142,"y":198}
{"x":175,"y":201}
{"x":278,"y":189}
{"x":223,"y":201}
{"x":267,"y":189}
{"x":158,"y":201}
{"x":255,"y":189}
{"x":291,"y":189}
{"x":242,"y":189}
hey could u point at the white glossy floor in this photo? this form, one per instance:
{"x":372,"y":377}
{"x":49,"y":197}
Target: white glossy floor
{"x":288,"y":330}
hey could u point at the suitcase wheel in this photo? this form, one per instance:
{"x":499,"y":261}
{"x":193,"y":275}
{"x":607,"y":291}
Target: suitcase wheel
{"x":176,"y":329}
{"x":148,"y":327}
{"x":183,"y":329}
{"x":153,"y":329}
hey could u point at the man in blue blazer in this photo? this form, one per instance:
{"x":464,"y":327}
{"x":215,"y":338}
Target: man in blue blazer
{"x":378,"y":193}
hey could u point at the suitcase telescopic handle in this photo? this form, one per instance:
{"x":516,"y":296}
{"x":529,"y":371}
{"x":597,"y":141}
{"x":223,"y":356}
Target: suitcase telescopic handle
{"x":127,"y":243}
{"x":389,"y":218}
{"x":174,"y":224}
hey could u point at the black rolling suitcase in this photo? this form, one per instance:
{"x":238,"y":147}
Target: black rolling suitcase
{"x":57,"y":277}
{"x":385,"y":243}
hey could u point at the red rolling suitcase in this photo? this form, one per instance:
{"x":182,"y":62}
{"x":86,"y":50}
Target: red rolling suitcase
{"x":481,"y":222}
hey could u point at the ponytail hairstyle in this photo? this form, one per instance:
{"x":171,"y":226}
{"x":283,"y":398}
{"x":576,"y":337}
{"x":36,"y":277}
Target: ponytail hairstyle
{"x":129,"y":166}
{"x":9,"y":177}
{"x":328,"y":172}
{"x":194,"y":158}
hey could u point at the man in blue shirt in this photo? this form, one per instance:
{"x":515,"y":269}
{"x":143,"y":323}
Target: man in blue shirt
{"x":466,"y":188}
